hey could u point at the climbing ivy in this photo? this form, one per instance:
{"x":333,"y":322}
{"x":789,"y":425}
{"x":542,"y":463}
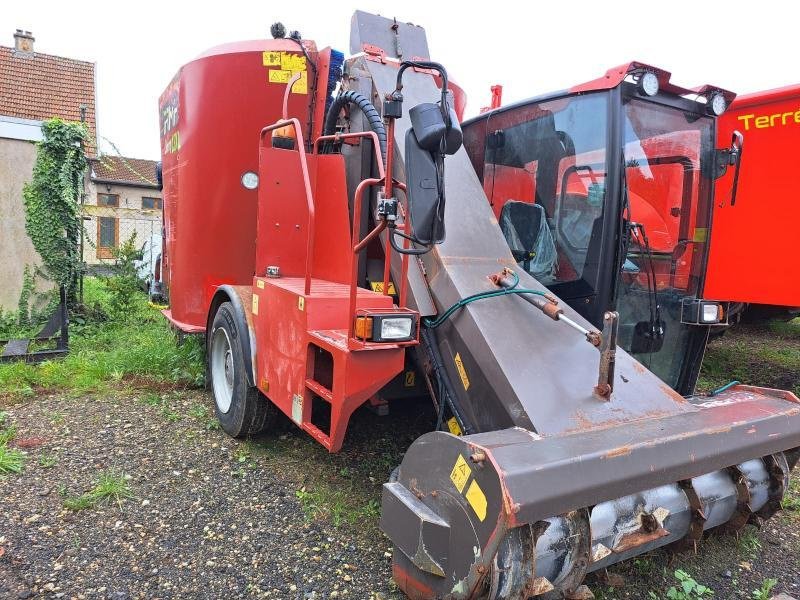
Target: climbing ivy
{"x":23,"y":306}
{"x":52,"y":212}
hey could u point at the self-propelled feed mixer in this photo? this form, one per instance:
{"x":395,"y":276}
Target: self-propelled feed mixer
{"x":326,"y":230}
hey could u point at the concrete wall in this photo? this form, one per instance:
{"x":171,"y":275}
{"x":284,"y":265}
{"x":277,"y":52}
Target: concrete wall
{"x":16,"y":250}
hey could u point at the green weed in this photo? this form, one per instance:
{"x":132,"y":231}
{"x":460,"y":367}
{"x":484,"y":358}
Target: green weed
{"x":748,"y":542}
{"x":11,"y":460}
{"x":111,"y":486}
{"x":47,"y":461}
{"x":687,"y":589}
{"x":765,"y":591}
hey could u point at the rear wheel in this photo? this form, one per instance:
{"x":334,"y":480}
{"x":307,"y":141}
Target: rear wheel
{"x":240,"y":408}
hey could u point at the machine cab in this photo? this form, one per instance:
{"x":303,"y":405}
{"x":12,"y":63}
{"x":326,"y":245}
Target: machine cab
{"x":604,"y":194}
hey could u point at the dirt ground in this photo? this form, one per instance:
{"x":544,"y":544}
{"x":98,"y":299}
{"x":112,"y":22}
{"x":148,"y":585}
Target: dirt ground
{"x":274,"y":517}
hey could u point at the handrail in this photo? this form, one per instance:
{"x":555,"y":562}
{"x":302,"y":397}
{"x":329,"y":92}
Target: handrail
{"x":301,"y":150}
{"x":356,"y":134}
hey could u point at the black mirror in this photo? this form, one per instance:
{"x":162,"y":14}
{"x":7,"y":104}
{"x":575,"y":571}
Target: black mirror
{"x":730,"y":157}
{"x":648,"y":337}
{"x":425,"y":196}
{"x":434,"y":133}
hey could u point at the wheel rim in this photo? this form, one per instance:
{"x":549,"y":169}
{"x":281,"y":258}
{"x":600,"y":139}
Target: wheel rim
{"x":222,"y":369}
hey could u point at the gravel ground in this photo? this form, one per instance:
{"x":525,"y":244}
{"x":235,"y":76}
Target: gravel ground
{"x":210,"y":517}
{"x":278,"y":517}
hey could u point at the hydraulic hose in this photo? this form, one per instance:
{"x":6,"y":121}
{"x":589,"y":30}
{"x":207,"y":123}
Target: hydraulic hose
{"x":366,"y":107}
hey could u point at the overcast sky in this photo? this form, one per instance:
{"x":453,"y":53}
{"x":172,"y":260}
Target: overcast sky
{"x":529,"y":47}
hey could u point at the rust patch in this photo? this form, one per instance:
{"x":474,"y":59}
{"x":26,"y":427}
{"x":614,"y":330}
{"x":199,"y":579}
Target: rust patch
{"x":621,"y":451}
{"x":639,"y":538}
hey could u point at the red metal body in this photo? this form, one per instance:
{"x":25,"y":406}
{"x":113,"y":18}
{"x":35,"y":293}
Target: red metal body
{"x":211,"y":115}
{"x":754,"y":260}
{"x":286,"y":250}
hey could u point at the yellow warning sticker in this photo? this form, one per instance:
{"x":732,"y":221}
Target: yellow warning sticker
{"x":279,"y":76}
{"x":283,"y":76}
{"x":454,"y":427}
{"x":460,"y":473}
{"x":377,"y":286}
{"x":260,"y":283}
{"x":700,"y":234}
{"x":410,"y":379}
{"x":255,"y":304}
{"x":271,"y":59}
{"x":301,"y":85}
{"x":476,"y":499}
{"x":301,"y":303}
{"x":462,"y":372}
{"x":293,"y":62}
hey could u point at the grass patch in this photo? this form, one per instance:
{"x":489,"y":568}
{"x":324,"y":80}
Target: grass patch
{"x":47,"y":461}
{"x":11,"y":459}
{"x":207,"y":419}
{"x":325,"y":502}
{"x":763,"y":354}
{"x":107,"y":351}
{"x":111,"y":486}
{"x":791,"y":499}
{"x":748,"y":542}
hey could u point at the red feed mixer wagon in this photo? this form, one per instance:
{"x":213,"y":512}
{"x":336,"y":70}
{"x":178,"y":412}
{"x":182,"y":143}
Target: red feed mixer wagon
{"x":327,"y":232}
{"x":754,"y":249}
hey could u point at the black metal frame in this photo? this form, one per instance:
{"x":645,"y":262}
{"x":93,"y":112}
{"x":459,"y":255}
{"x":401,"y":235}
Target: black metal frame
{"x":58,"y":323}
{"x":596,"y":291}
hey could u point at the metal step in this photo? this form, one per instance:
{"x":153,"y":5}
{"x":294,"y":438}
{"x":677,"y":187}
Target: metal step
{"x":16,"y":348}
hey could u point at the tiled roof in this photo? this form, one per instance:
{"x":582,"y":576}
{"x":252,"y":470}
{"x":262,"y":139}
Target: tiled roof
{"x":41,"y":86}
{"x":130,"y":171}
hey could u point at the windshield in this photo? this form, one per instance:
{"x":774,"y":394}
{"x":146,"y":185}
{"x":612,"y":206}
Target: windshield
{"x":544,"y":175}
{"x":666,"y":208}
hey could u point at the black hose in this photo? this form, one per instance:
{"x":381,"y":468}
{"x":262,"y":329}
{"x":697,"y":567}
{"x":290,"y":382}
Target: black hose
{"x":448,"y":397}
{"x":366,"y":107}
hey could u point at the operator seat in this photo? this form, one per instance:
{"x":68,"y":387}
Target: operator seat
{"x":525,"y":228}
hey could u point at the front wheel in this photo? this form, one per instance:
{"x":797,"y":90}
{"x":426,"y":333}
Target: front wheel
{"x":240,"y":408}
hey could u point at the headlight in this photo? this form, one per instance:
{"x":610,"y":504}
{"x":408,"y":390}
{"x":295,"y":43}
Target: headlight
{"x":396,"y":328}
{"x":648,"y":83}
{"x":711,"y":312}
{"x":695,"y":311}
{"x":716,"y":104}
{"x":386,"y":328}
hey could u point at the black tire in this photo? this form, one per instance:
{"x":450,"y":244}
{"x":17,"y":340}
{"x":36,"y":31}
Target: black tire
{"x":241,"y":409}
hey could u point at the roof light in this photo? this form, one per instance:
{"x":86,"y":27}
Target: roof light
{"x":648,"y":83}
{"x":716,"y":104}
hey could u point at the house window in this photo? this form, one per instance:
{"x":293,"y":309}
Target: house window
{"x":152,"y":203}
{"x":107,"y":236}
{"x":108,"y":200}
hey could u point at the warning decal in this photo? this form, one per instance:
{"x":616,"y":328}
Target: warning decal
{"x":286,"y":64}
{"x":293,"y":62}
{"x":460,"y":473}
{"x":454,"y":427}
{"x":272,"y":59}
{"x":255,"y":304}
{"x":476,"y":499}
{"x":462,"y":372}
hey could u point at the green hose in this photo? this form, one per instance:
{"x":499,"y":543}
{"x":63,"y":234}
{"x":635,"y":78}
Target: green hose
{"x":727,"y":386}
{"x":433,"y":323}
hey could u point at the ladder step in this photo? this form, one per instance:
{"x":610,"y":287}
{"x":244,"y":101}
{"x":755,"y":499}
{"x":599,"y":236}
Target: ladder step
{"x":319,"y":389}
{"x":16,"y":348}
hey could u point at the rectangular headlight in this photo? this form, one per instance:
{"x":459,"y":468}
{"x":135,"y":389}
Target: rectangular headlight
{"x":396,"y":328}
{"x":710,"y":313}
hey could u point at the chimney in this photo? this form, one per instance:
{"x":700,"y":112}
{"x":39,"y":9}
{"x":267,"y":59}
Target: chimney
{"x":23,"y":42}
